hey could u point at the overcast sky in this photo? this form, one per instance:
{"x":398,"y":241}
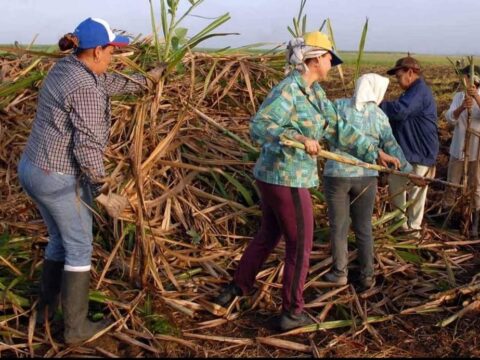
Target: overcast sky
{"x":418,"y":26}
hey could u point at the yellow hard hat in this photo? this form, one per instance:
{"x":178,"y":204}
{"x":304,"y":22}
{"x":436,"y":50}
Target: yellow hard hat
{"x":320,"y":40}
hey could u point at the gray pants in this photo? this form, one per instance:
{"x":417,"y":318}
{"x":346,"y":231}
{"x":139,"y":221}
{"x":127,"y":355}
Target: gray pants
{"x":351,"y":197}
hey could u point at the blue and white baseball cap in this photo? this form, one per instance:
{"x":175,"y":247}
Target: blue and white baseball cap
{"x":94,"y":32}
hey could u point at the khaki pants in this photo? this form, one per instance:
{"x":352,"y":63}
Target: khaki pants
{"x":399,"y":192}
{"x":455,"y":175}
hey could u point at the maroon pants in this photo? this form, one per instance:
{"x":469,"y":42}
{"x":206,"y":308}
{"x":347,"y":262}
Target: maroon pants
{"x":285,"y":211}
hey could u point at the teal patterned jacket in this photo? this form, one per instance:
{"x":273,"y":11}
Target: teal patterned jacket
{"x":374,"y":124}
{"x":292,"y":108}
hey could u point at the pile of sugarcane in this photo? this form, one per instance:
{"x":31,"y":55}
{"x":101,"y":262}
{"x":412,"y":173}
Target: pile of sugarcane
{"x":186,"y":171}
{"x":182,"y":155}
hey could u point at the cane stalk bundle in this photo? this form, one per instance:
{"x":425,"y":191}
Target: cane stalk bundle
{"x":344,"y":160}
{"x":181,"y":153}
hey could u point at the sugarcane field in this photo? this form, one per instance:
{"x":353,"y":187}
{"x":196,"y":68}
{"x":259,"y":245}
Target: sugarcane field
{"x":205,"y":199}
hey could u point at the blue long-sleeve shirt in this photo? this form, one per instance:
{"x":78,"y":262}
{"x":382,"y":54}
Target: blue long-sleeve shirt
{"x":413,"y":118}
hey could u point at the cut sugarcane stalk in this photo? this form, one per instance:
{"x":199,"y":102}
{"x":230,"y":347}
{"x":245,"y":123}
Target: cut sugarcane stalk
{"x":332,"y":156}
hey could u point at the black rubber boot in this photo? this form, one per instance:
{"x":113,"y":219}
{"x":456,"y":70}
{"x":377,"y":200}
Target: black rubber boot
{"x":474,"y":228}
{"x":78,"y":328}
{"x":50,"y":286}
{"x":290,"y":321}
{"x":229,"y":292}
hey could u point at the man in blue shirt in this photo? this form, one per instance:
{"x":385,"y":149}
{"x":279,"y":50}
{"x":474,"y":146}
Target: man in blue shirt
{"x":413,"y":117}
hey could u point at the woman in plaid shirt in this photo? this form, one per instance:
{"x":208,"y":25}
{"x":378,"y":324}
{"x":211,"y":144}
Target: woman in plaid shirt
{"x":62,"y":167}
{"x":296,"y":108}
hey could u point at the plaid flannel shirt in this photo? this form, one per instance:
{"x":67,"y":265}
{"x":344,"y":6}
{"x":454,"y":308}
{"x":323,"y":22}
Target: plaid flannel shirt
{"x":71,"y":128}
{"x":292,"y":108}
{"x":374,"y":124}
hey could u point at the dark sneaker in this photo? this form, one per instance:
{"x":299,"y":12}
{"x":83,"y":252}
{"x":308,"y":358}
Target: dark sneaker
{"x":291,"y":321}
{"x":228,"y":293}
{"x":416,"y":234}
{"x":402,"y":230}
{"x":411,"y":233}
{"x":332,"y":278}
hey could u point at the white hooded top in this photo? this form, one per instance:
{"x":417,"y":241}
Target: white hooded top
{"x":370,"y":88}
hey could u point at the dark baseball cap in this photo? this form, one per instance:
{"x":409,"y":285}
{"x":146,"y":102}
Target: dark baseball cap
{"x":405,"y":63}
{"x":466,"y":70}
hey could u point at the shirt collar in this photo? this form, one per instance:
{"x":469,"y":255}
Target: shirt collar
{"x":75,"y":60}
{"x":308,"y":90}
{"x":301,"y":82}
{"x":416,"y":83}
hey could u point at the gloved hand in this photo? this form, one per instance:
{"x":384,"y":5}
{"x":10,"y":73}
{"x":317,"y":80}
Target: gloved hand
{"x":113,"y":203}
{"x":155,"y":74}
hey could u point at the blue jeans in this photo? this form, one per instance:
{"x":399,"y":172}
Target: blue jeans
{"x":64,"y":205}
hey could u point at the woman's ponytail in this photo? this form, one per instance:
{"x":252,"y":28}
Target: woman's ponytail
{"x":67,"y":42}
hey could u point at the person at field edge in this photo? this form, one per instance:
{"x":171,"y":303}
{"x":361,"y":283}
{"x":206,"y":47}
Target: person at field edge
{"x":350,"y":190}
{"x":297,"y":108}
{"x":457,"y":116}
{"x":413,"y":117}
{"x":62,"y":168}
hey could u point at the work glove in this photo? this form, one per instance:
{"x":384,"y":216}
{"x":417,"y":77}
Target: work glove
{"x":114,"y":204}
{"x":154,"y":75}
